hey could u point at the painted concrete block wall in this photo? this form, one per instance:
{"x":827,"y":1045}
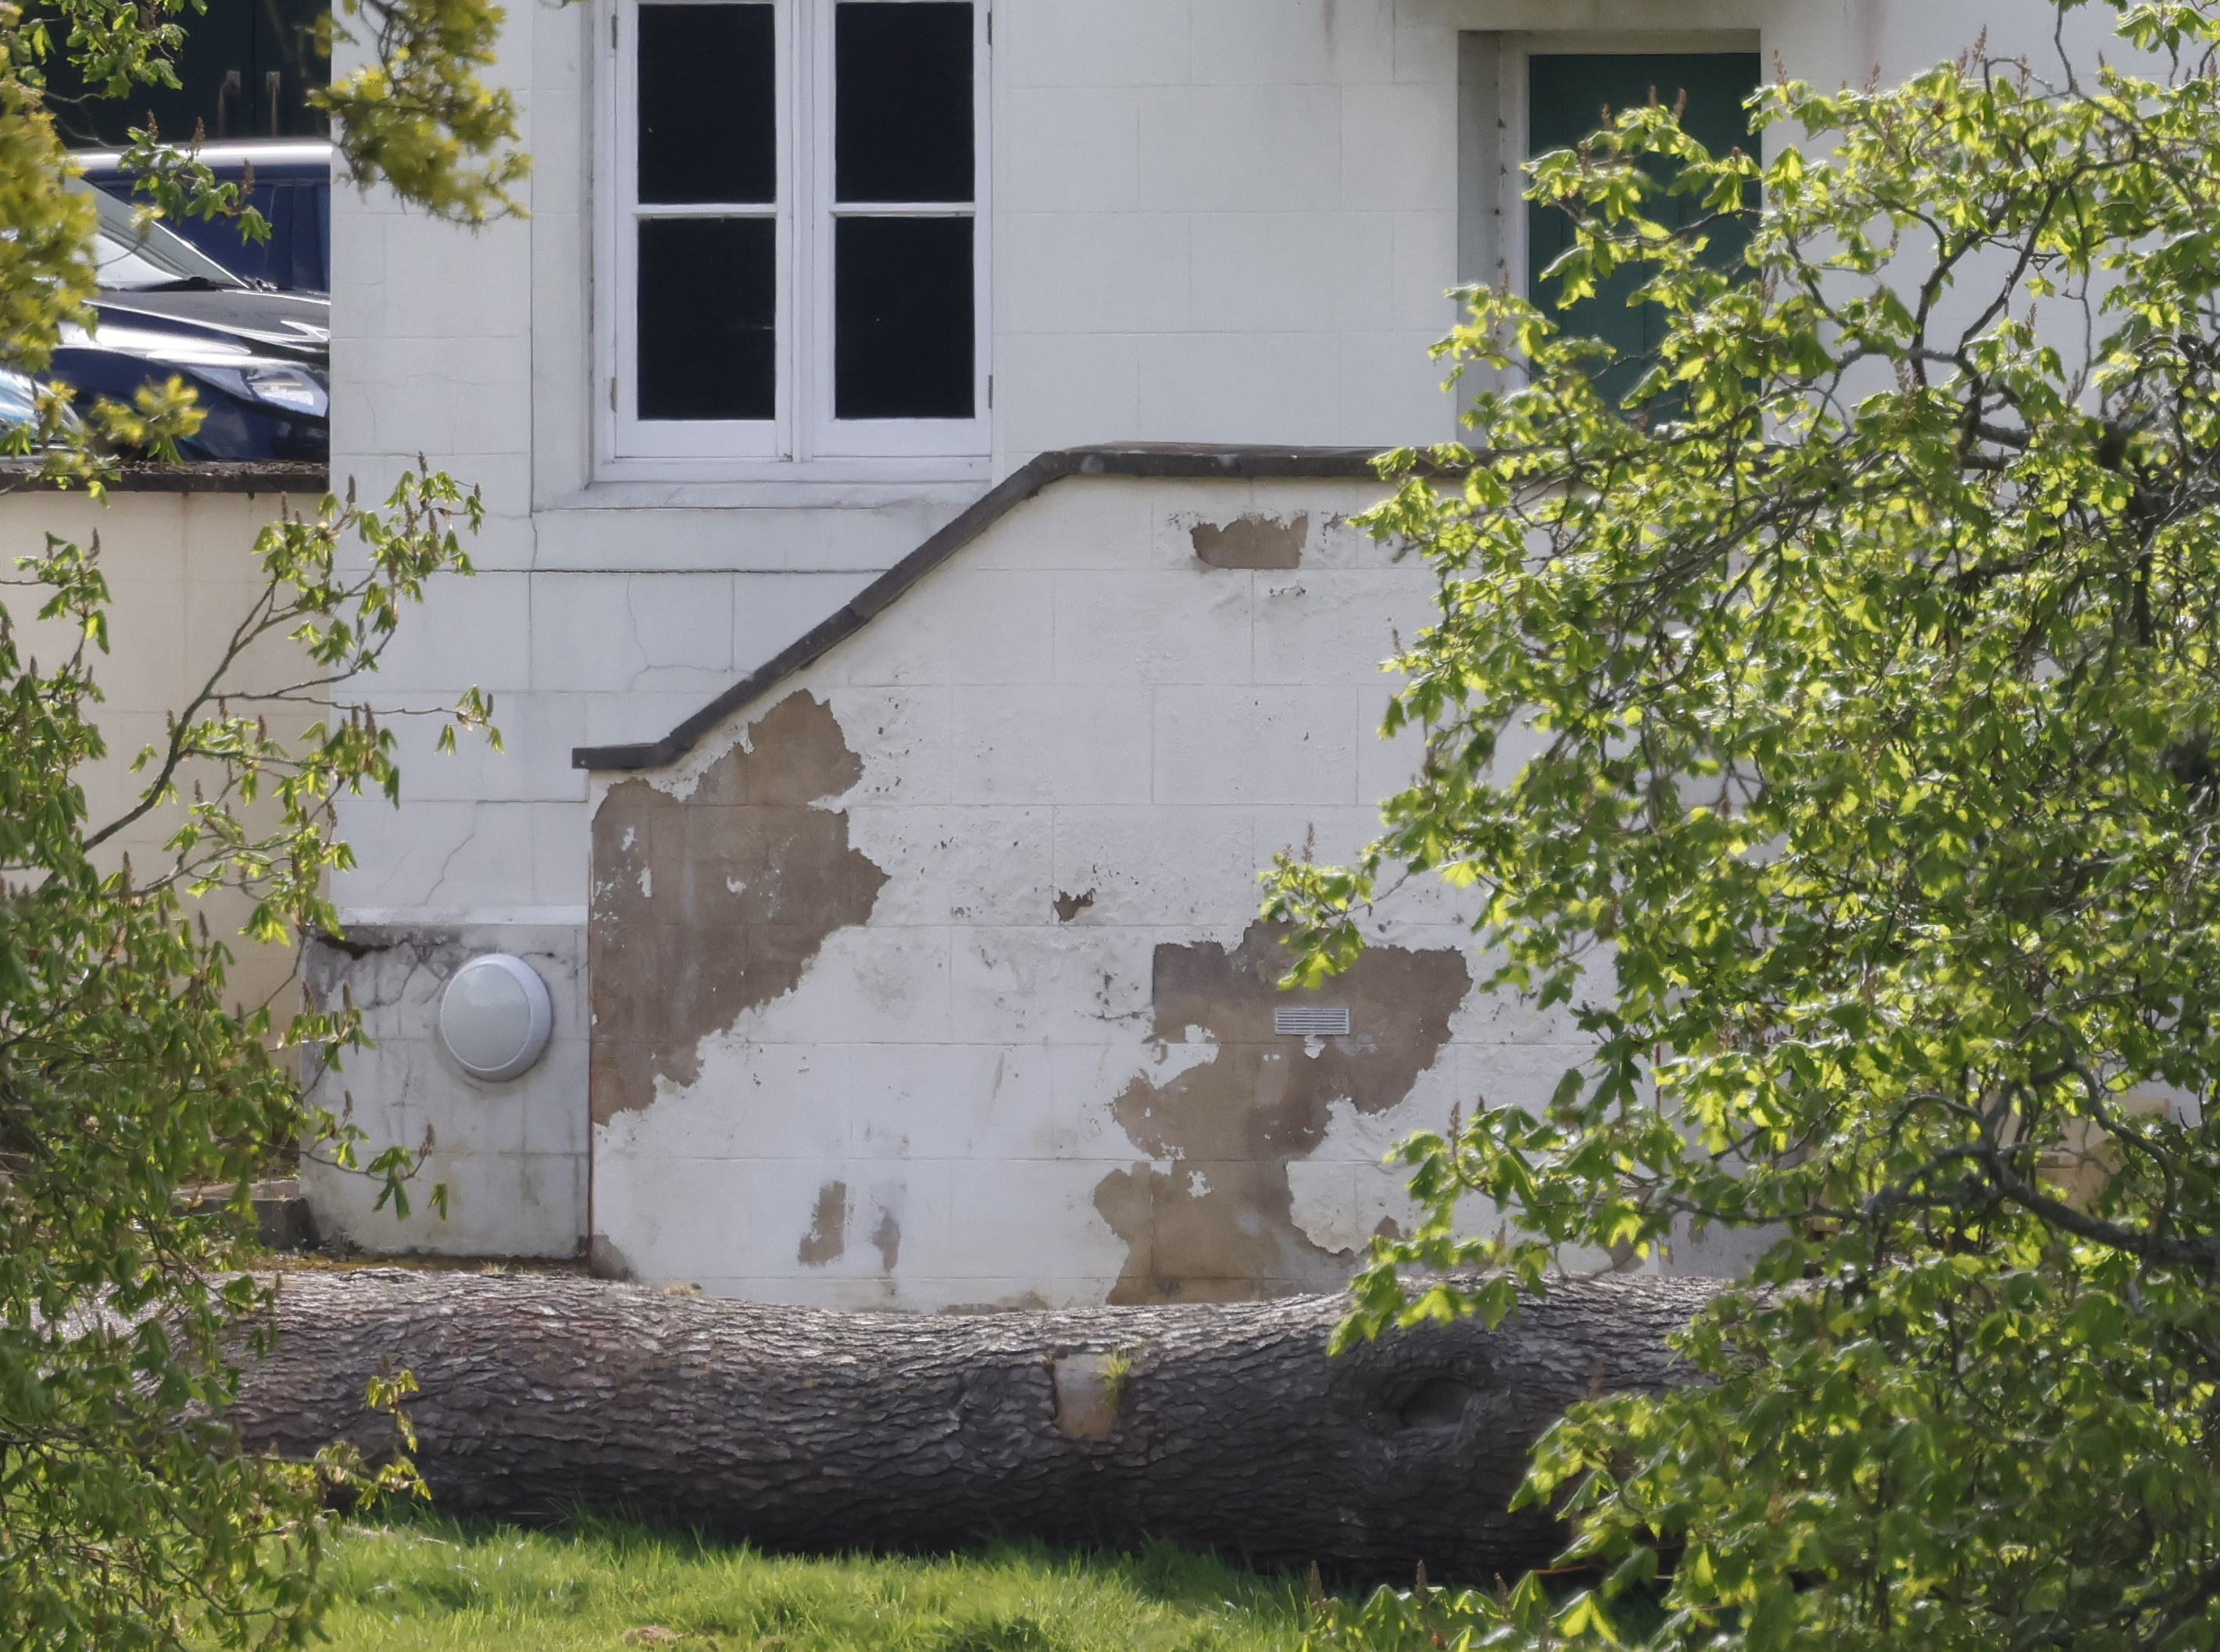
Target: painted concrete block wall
{"x":935,"y":979}
{"x":512,"y":1156}
{"x":1213,"y":219}
{"x":181,"y":573}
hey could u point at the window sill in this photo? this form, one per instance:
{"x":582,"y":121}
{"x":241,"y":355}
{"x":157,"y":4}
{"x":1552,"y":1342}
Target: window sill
{"x":730,"y":484}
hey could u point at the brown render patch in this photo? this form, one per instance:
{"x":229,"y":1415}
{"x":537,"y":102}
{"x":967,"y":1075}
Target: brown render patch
{"x":708,"y":907}
{"x":1252,"y":542}
{"x":827,"y":1238}
{"x":886,"y":1239}
{"x":1220,"y":1226}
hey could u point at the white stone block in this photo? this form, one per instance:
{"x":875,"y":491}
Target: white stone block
{"x":1089,"y":522}
{"x":1190,"y":626}
{"x":1059,"y":43}
{"x":1239,"y":387}
{"x":1123,"y":272}
{"x":1330,"y":626}
{"x":467,"y":630}
{"x":1307,"y":272}
{"x":666,"y":1215}
{"x":956,"y":864}
{"x":867,"y":986}
{"x":1241,"y":149}
{"x":538,"y":731}
{"x":902,"y":736}
{"x":614,"y":634}
{"x":960,"y":626}
{"x":613,"y":719}
{"x":1155,"y":866}
{"x":1391,"y":391}
{"x":1068,"y":149}
{"x":1044,"y":1212}
{"x":1398,"y":144}
{"x":756,"y":1099}
{"x":1250,"y":746}
{"x":1066,"y":390}
{"x":772,"y":611}
{"x":1061,"y":984}
{"x":1292,"y":42}
{"x":962,"y":1101}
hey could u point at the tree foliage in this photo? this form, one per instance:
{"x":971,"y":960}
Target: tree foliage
{"x":1832,"y":725}
{"x":128,"y":1517}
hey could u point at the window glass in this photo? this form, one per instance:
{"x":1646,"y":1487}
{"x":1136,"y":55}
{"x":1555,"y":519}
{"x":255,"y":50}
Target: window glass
{"x":708,"y":104}
{"x":902,"y":127}
{"x":797,"y":260}
{"x":903,"y":319}
{"x":1570,"y":95}
{"x":708,"y":317}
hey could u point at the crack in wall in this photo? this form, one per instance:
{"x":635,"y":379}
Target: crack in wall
{"x":709,"y":905}
{"x":1219,"y":1224}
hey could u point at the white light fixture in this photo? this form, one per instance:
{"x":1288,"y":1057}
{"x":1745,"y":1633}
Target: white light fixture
{"x":494,"y":1016}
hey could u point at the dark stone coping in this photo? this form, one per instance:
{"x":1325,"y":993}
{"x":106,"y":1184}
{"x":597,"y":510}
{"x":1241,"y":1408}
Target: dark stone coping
{"x":210,"y":476}
{"x":282,"y":1220}
{"x":1149,"y":460}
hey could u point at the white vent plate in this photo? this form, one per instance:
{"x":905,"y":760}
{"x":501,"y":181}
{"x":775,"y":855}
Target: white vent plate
{"x":1310,"y":1021}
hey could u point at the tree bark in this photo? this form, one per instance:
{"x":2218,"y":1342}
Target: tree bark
{"x":1224,"y":1426}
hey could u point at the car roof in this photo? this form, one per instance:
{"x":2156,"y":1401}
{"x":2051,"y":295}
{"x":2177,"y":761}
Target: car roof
{"x":263,"y":154}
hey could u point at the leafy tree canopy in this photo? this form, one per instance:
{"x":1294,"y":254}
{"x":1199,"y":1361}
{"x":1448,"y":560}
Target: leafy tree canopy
{"x":1833,"y":725}
{"x":127,"y":1518}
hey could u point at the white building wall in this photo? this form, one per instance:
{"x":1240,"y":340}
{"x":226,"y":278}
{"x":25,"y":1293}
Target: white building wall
{"x":1073,"y":745}
{"x":1214,"y":220}
{"x":182,"y":573}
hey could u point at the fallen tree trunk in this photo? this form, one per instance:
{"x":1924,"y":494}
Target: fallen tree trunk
{"x":1224,"y":1426}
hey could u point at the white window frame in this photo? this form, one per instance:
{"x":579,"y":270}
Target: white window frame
{"x":803,"y":440}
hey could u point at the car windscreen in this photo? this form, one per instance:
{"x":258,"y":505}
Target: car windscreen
{"x":135,"y":256}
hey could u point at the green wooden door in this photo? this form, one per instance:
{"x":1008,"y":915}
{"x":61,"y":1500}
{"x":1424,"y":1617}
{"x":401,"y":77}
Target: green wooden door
{"x":1572,"y":95}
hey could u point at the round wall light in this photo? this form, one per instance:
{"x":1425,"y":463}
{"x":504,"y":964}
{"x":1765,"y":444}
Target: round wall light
{"x":494,"y":1016}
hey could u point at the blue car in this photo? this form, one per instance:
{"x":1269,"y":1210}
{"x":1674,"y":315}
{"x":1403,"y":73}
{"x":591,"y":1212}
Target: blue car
{"x":259,"y":359}
{"x":291,"y":188}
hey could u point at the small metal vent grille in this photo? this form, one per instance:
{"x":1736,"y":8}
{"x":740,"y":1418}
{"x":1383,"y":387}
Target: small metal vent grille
{"x":1310,"y":1021}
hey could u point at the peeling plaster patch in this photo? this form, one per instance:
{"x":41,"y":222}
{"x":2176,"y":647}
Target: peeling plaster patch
{"x":1068,"y":907}
{"x":1253,"y":541}
{"x":1223,"y":1228}
{"x":827,"y":1237}
{"x":714,"y":904}
{"x":886,"y":1239}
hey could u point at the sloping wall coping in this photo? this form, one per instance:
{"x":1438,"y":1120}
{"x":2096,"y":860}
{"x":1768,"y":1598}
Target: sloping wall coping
{"x":1150,"y":460}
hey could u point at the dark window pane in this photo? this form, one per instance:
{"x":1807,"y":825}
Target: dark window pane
{"x":1567,"y":95}
{"x":708,"y":104}
{"x":708,"y":308}
{"x":902,"y":101}
{"x":903,"y":319}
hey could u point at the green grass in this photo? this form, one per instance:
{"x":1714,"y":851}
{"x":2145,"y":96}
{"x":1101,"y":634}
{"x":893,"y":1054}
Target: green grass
{"x":431,"y":1585}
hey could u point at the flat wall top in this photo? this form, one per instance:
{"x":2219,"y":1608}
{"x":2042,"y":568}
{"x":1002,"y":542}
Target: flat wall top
{"x":207,"y":476}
